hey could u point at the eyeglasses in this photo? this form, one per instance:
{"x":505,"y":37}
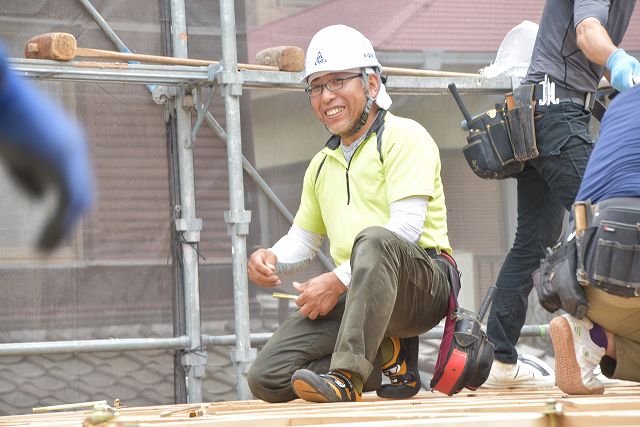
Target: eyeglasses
{"x":332,"y":85}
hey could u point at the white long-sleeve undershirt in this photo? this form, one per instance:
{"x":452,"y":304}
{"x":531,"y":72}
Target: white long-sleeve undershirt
{"x":298,"y":247}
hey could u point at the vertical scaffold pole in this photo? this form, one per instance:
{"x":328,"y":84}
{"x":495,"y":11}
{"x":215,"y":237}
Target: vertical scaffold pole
{"x":194,"y":360}
{"x":237,"y":217}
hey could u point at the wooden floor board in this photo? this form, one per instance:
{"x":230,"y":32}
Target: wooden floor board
{"x":619,"y":406}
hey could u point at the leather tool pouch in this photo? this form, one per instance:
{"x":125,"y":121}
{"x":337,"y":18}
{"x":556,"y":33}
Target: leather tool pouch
{"x":489,"y":152}
{"x":519,"y":114}
{"x":556,"y":282}
{"x":611,"y":247}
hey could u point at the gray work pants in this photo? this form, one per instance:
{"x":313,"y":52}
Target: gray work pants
{"x":396,"y":290}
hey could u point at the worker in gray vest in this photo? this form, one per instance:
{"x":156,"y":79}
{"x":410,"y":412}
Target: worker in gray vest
{"x":576,"y":44}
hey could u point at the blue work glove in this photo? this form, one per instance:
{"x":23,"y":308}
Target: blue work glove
{"x":623,"y":68}
{"x":44,"y":149}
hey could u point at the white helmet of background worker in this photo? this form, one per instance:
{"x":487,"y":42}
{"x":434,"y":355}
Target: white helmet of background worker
{"x":340,"y":48}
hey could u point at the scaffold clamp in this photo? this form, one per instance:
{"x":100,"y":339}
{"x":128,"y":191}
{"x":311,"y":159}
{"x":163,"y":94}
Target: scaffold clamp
{"x":231,"y":83}
{"x":162,"y":94}
{"x":213,"y":71}
{"x":243,"y":357}
{"x":237,"y":222}
{"x":196,"y":361}
{"x":190,"y":228}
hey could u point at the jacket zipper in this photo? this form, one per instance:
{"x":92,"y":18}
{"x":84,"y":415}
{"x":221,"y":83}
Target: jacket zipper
{"x":349,"y":165}
{"x":348,"y":191}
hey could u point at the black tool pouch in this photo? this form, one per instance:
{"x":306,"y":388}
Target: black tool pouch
{"x":556,"y":283}
{"x":520,"y":122}
{"x":488,"y":150}
{"x":612,"y":247}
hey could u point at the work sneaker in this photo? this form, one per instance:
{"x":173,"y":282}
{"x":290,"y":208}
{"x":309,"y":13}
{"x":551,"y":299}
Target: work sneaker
{"x":576,"y":355}
{"x":517,"y":375}
{"x":331,"y":387}
{"x":402,"y":370}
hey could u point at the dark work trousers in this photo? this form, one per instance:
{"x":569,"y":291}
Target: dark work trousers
{"x":546,"y":188}
{"x":396,"y":289}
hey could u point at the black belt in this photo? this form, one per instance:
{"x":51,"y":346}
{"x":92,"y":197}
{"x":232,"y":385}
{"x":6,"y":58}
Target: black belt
{"x":451,"y":270}
{"x":583,"y":99}
{"x":433,"y":253}
{"x":438,"y":254}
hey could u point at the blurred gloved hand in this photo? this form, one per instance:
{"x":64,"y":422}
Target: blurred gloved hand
{"x":44,"y":149}
{"x":623,"y":68}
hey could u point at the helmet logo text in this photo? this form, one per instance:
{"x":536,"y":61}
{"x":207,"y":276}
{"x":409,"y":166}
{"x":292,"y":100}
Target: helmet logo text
{"x":320,"y":59}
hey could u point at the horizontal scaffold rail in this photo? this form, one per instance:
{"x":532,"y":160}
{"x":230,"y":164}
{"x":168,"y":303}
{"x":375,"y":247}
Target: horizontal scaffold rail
{"x":173,"y":75}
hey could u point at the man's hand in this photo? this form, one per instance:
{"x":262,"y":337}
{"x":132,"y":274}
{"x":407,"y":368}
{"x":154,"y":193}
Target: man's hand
{"x":319,"y":295}
{"x":623,"y":68}
{"x":261,"y":268}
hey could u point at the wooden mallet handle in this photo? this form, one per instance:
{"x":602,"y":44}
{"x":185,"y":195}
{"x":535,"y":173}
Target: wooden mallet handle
{"x":63,"y":47}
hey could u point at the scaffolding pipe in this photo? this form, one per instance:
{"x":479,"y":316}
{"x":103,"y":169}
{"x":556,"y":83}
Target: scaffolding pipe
{"x":105,"y":27}
{"x":179,"y":343}
{"x":532,"y":331}
{"x":237,"y":218}
{"x":230,"y":340}
{"x":102,"y":23}
{"x":90,"y":346}
{"x":182,"y":75}
{"x":194,"y":359}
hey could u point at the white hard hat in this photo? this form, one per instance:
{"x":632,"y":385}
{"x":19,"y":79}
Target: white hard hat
{"x":338,"y":48}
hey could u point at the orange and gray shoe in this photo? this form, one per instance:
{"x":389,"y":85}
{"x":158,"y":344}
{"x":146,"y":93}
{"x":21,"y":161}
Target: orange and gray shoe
{"x":334,"y":386}
{"x":402,"y":370}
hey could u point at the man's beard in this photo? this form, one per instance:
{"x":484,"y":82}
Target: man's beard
{"x":352,"y":128}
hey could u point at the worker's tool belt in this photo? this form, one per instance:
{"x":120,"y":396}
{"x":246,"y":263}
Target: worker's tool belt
{"x":603,"y":252}
{"x":584,"y":99}
{"x":608,"y":253}
{"x":500,"y":140}
{"x":466,"y":354}
{"x":547,"y":92}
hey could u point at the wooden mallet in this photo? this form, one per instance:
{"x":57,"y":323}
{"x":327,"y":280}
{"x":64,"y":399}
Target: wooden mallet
{"x":286,"y":58}
{"x":63,"y":47}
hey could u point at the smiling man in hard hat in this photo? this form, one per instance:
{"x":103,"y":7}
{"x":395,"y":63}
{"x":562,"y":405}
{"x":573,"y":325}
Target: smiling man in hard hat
{"x":375,"y":191}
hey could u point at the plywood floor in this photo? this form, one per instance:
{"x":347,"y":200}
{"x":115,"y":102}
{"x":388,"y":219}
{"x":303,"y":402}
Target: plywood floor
{"x":619,"y":406}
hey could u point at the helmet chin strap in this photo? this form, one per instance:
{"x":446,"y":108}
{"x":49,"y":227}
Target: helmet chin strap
{"x":367,"y":106}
